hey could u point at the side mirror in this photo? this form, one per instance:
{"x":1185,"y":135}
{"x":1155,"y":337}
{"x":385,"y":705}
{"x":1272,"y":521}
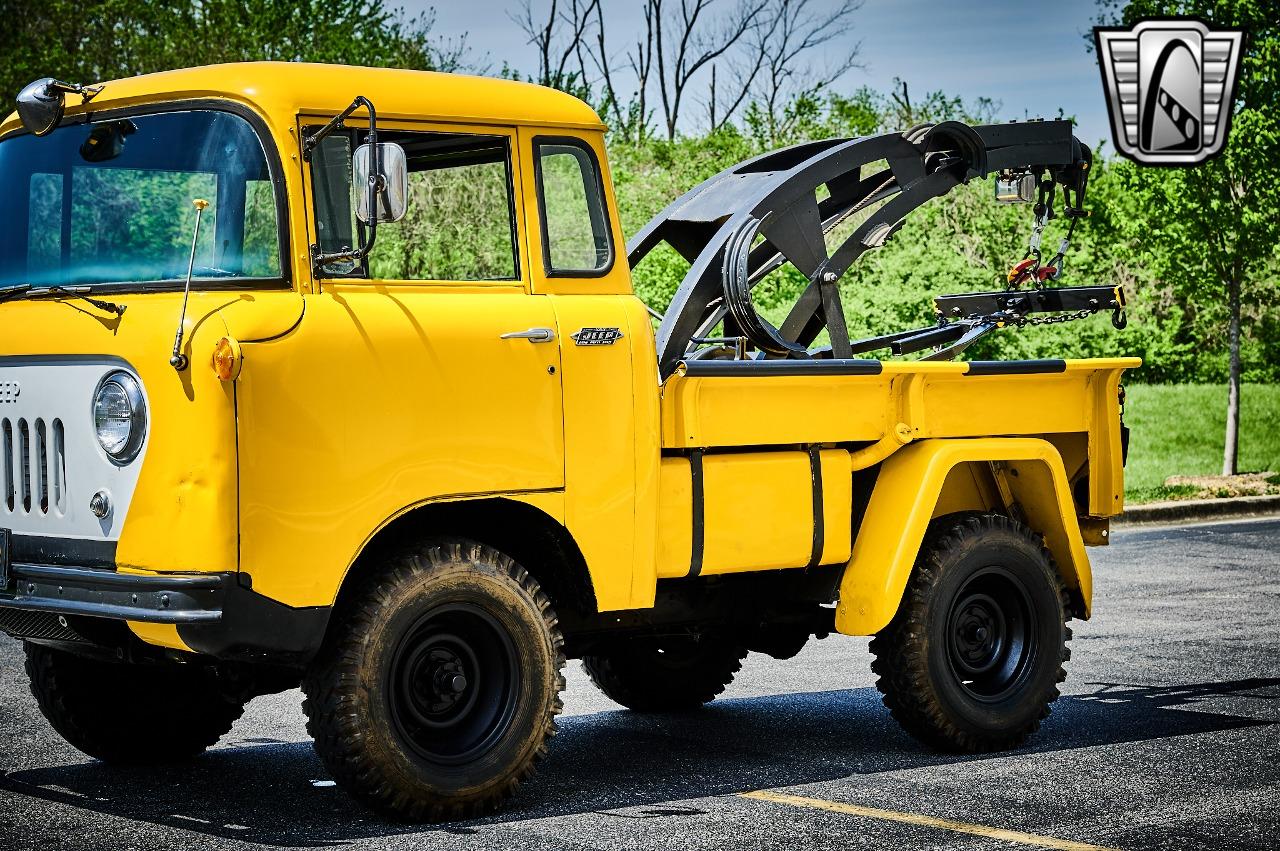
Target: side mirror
{"x":41,"y":104}
{"x":1016,"y":188}
{"x":393,"y":181}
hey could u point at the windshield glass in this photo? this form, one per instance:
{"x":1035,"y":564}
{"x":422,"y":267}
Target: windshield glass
{"x":110,"y":202}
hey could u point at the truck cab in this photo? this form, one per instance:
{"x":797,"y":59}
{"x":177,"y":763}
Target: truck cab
{"x":335,"y":377}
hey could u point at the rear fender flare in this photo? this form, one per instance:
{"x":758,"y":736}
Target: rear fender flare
{"x":905,"y":498}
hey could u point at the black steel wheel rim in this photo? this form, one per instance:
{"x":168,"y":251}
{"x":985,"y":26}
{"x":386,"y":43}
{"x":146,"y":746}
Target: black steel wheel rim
{"x":991,"y":634}
{"x":454,"y":683}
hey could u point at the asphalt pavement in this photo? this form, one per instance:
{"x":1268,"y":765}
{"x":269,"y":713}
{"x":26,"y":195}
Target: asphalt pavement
{"x":1166,"y":737}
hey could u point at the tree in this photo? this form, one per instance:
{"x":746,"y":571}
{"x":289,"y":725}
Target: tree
{"x":561,"y":63}
{"x":1212,"y":230}
{"x":777,"y":71}
{"x":746,"y":51}
{"x":688,"y":37}
{"x":95,"y":40}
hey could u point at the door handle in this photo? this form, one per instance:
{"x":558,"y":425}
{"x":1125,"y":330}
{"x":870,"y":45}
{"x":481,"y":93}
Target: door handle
{"x":533,"y":335}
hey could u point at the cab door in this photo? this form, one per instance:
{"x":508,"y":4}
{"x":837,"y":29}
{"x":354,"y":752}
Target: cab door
{"x":609,"y":372}
{"x":430,"y":372}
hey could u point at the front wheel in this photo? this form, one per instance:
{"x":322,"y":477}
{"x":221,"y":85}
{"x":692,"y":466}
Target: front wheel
{"x":438,"y":690}
{"x":972,"y":659}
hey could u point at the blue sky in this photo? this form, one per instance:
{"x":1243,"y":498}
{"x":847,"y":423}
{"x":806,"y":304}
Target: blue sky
{"x":1029,"y":56}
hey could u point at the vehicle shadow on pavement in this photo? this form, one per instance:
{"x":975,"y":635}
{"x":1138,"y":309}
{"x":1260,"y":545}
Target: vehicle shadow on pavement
{"x":617,"y":763}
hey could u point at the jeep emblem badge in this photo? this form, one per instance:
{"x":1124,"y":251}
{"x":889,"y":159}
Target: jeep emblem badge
{"x":1170,"y":86}
{"x":596,"y":336}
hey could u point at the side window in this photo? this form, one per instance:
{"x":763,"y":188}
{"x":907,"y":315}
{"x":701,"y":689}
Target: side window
{"x":460,"y":221}
{"x":335,"y":213}
{"x":575,"y":225}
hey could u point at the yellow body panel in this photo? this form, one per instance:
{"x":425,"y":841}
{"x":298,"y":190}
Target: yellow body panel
{"x":932,"y":399}
{"x":600,"y":447}
{"x":675,"y":518}
{"x":906,"y":498}
{"x":158,"y":634}
{"x":757,"y":512}
{"x":381,"y":400}
{"x":908,"y":401}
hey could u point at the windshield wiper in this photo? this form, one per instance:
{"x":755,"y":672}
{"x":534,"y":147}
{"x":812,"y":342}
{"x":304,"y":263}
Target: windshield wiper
{"x":14,"y":292}
{"x":80,"y":292}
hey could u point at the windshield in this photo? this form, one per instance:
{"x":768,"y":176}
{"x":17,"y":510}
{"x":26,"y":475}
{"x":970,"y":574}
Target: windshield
{"x":110,"y":202}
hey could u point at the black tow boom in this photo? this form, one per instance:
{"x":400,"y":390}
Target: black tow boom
{"x":752,"y":218}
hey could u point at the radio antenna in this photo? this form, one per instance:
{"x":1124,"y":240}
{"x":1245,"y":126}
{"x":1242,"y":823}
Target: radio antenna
{"x":178,"y":360}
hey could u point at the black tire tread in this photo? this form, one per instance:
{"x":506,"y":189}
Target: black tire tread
{"x":647,"y":690}
{"x":337,"y":730}
{"x":900,"y":661}
{"x":130,"y":714}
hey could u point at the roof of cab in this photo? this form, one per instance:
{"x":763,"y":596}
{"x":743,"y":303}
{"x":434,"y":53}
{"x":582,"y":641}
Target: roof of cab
{"x":281,"y":89}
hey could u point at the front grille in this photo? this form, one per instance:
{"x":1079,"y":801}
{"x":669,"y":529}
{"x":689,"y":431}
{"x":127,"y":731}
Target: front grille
{"x":35,"y":466}
{"x":37,"y":625}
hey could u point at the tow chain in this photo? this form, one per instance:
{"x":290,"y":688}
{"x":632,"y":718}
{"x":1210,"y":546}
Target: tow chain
{"x":1118,"y":318}
{"x":1032,"y":268}
{"x":1084,"y":313}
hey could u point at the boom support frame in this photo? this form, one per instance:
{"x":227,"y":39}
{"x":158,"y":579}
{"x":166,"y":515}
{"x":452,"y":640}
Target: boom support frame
{"x":750,"y":219}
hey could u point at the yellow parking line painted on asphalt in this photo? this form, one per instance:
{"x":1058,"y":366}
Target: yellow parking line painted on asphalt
{"x":923,"y":821}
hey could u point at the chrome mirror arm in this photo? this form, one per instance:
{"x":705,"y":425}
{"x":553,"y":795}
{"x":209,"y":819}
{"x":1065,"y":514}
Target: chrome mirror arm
{"x":319,"y":259}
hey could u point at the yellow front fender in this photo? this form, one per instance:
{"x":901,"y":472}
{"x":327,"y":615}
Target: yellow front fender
{"x":906,"y":497}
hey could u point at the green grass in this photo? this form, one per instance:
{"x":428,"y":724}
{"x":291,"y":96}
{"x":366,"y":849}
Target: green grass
{"x":1177,"y":430}
{"x":1158,"y":493}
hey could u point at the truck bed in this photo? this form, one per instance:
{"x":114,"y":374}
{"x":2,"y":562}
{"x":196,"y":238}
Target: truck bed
{"x":815,"y":424}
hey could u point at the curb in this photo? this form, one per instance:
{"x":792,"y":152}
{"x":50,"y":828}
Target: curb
{"x":1195,"y":510}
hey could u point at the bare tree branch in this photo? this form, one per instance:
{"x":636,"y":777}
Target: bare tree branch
{"x":642,"y":64}
{"x":795,"y":30}
{"x":554,"y":52}
{"x":686,"y":41}
{"x":752,"y":50}
{"x":744,"y":69}
{"x":601,"y":61}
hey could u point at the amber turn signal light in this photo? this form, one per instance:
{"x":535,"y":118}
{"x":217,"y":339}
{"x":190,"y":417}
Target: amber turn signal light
{"x":226,"y":359}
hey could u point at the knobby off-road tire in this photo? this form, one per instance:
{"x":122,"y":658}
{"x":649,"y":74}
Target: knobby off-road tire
{"x":665,"y":674}
{"x":973,"y":657}
{"x":131,"y":714}
{"x":437,"y":689}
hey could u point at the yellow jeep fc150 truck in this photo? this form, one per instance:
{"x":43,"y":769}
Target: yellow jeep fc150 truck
{"x":335,"y":377}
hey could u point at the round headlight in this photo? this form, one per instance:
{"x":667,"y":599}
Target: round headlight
{"x":119,"y":416}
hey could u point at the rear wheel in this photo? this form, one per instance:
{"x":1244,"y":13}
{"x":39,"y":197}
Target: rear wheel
{"x":973,"y":657}
{"x":666,"y":674}
{"x":437,"y":692}
{"x":139,"y":714}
